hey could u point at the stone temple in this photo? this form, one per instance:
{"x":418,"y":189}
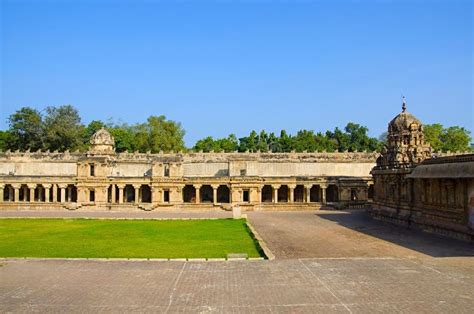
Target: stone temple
{"x":407,"y":183}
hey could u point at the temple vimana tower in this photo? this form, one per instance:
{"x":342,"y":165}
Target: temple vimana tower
{"x":416,"y":188}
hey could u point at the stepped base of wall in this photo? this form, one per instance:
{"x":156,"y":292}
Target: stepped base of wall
{"x":423,"y":220}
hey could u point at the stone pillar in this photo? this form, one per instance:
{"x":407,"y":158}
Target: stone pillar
{"x":69,"y":193}
{"x":323,"y":194}
{"x":176,"y":194}
{"x":235,"y":196}
{"x":254,"y":192}
{"x":16,"y":189}
{"x":275,"y":193}
{"x":214,"y":195}
{"x":156,"y":195}
{"x":112,"y":194}
{"x":120,"y":187}
{"x":258,"y":191}
{"x":2,"y":192}
{"x":137,"y":193}
{"x":10,"y":194}
{"x":291,"y":188}
{"x":47,"y":189}
{"x":62,"y":188}
{"x":31,"y":188}
{"x":308,"y":193}
{"x":198,"y":193}
{"x":55,"y":193}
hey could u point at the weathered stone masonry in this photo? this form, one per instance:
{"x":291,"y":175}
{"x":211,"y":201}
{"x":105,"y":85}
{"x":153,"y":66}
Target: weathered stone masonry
{"x":103,"y":179}
{"x":414,"y":189}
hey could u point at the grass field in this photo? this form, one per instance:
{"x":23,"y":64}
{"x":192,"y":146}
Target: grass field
{"x":125,"y":238}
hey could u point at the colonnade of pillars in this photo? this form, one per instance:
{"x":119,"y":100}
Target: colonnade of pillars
{"x":203,"y":193}
{"x":37,"y":193}
{"x":293,"y":193}
{"x":192,"y":193}
{"x":129,"y":193}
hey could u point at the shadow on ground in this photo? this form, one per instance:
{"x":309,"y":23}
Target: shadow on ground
{"x":423,"y":242}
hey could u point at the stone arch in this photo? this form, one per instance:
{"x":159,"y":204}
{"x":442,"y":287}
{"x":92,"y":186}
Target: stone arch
{"x":267,"y":194}
{"x":299,"y":193}
{"x":24,"y":193}
{"x":206,"y":193}
{"x":283,"y":194}
{"x":189,"y":194}
{"x":315,"y":193}
{"x":71,"y":193}
{"x":332,"y":193}
{"x":129,"y":193}
{"x":145,"y":193}
{"x":223,"y":194}
{"x":40,"y":193}
{"x":8,"y":193}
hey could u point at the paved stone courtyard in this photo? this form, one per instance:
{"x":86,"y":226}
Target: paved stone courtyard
{"x":326,"y":262}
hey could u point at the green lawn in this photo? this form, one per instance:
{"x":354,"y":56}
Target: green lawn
{"x":125,"y":238}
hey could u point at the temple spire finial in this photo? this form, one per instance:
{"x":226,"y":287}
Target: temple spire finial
{"x":404,"y":104}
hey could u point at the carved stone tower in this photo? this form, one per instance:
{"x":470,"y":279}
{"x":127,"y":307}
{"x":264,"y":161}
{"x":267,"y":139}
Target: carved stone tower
{"x":102,"y":142}
{"x":405,"y":142}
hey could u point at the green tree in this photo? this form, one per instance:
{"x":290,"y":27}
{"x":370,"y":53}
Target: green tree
{"x":432,"y":134}
{"x":285,"y":142}
{"x":206,"y":145}
{"x":262,"y":143}
{"x":63,"y":128}
{"x":5,"y":140}
{"x":165,"y":135}
{"x":26,"y":130}
{"x":305,"y":141}
{"x":274,"y":143}
{"x":123,"y":136}
{"x":324,"y":143}
{"x":229,"y":144}
{"x":249,"y":143}
{"x":456,"y":139}
{"x":140,"y":141}
{"x":341,"y":139}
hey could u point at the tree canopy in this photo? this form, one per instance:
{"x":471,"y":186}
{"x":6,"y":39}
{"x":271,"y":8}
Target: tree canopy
{"x":60,"y":128}
{"x":453,"y":139}
{"x":353,"y":138}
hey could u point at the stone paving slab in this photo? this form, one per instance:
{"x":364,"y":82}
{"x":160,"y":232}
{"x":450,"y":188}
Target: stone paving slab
{"x":329,"y":233}
{"x":282,"y":286}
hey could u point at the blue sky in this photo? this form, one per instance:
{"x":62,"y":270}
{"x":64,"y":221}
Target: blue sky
{"x":222,"y":67}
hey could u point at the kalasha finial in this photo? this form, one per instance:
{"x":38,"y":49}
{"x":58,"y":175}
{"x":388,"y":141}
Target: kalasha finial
{"x":404,"y":104}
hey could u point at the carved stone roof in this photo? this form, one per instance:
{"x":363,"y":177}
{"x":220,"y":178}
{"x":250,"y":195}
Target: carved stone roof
{"x":102,"y":143}
{"x":403,"y":121}
{"x":102,"y":137}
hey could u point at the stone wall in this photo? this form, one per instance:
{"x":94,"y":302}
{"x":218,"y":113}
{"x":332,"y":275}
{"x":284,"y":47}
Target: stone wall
{"x":104,"y":179}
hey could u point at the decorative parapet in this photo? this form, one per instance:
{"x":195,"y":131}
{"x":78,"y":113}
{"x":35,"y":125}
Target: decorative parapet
{"x":197,"y":157}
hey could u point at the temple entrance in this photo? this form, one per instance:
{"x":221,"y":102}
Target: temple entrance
{"x":189,"y":194}
{"x":314,"y":193}
{"x":299,"y":194}
{"x":145,"y":194}
{"x":332,"y":193}
{"x":129,"y":193}
{"x":283,"y":194}
{"x":207,"y":194}
{"x":267,"y":194}
{"x":223,"y":194}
